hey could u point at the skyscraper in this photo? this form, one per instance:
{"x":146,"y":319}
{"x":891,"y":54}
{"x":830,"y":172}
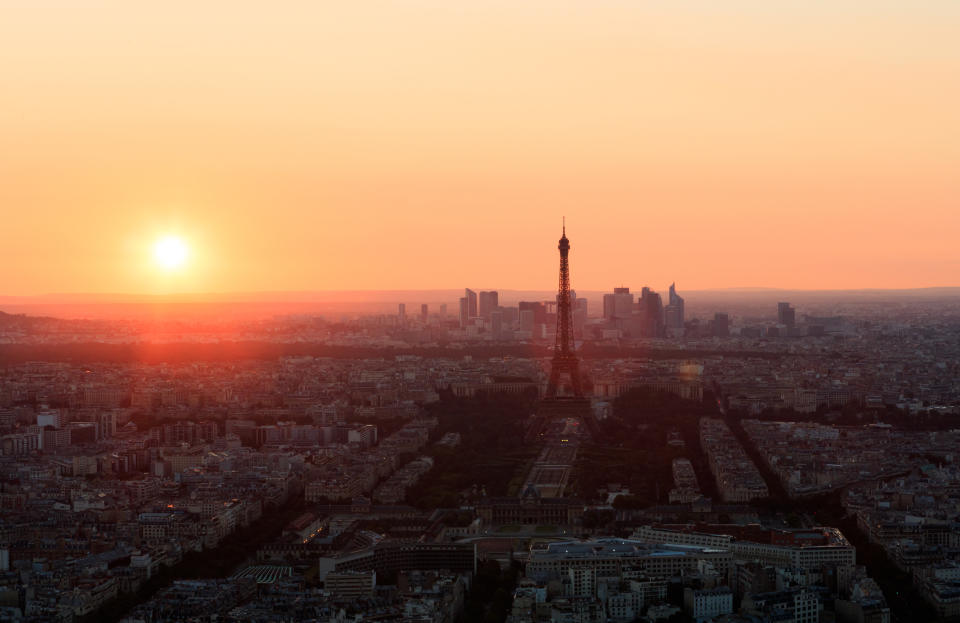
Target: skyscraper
{"x":496,"y":324}
{"x":402,"y":311}
{"x":527,"y":320}
{"x":511,"y":316}
{"x":471,"y":297}
{"x":579,"y":315}
{"x":609,"y":307}
{"x":673,"y":314}
{"x":539,"y":311}
{"x":651,"y":312}
{"x":622,"y":302}
{"x":464,"y":311}
{"x":579,"y":318}
{"x":786,"y":315}
{"x":721,"y":325}
{"x":489,"y":301}
{"x":424,"y":312}
{"x":618,"y":305}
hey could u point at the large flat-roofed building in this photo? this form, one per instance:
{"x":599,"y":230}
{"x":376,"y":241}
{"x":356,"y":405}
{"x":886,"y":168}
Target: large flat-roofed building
{"x":681,"y":536}
{"x":611,"y":557}
{"x":351,"y":584}
{"x":798,"y":604}
{"x":495,"y":385}
{"x":530,"y":509}
{"x":387,"y":558}
{"x":705,"y":604}
{"x":613,"y":388}
{"x":807,"y":548}
{"x":799,"y":556}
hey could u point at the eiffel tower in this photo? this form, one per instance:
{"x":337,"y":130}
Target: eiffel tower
{"x":564,"y":358}
{"x":563,"y":400}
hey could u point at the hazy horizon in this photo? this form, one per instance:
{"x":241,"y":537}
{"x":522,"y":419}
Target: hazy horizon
{"x":253,"y":305}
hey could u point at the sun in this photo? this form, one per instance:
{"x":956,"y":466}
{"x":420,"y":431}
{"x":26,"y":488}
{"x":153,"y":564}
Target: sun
{"x":170,"y":252}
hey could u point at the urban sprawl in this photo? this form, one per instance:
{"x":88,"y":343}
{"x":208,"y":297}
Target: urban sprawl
{"x":794,"y":465}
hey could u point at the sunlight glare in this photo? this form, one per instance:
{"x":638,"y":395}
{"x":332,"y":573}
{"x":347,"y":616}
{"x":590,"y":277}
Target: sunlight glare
{"x":170,"y":252}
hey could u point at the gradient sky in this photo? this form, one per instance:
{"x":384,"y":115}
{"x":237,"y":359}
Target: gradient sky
{"x":374,"y":145}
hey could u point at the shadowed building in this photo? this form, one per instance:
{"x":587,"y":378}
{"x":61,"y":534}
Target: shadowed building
{"x":674,"y":313}
{"x":488,"y":302}
{"x":530,"y":509}
{"x":786,"y":314}
{"x":471,"y":297}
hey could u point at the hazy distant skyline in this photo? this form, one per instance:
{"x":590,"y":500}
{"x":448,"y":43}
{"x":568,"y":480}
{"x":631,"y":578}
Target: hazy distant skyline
{"x":428,"y":145}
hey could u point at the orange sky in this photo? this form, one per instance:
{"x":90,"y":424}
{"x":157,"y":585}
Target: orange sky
{"x":355,"y":145}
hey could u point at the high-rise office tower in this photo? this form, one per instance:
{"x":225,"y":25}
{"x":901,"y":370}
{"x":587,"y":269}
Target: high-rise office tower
{"x":618,"y":305}
{"x":471,"y":297}
{"x":609,"y":307}
{"x":622,"y":302}
{"x":721,"y":325}
{"x":443,"y":311}
{"x":496,"y":324}
{"x":786,"y":315}
{"x":579,"y":320}
{"x":651,"y":312}
{"x":489,"y":301}
{"x":527,"y":320}
{"x":673,"y":313}
{"x":402,"y":311}
{"x":464,"y":311}
{"x":511,"y":316}
{"x":580,"y":316}
{"x":564,"y":357}
{"x":538,"y":309}
{"x":424,"y":312}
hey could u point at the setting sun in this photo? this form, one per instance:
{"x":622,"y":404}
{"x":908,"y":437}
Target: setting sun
{"x":170,"y":252}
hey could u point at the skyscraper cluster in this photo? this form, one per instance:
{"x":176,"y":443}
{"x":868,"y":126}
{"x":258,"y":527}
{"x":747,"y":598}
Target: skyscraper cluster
{"x":483,"y":313}
{"x":786,"y":315}
{"x":473,"y":306}
{"x":646,"y":317}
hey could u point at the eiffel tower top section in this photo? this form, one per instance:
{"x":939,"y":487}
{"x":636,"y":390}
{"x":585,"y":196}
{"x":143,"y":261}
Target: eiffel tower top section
{"x":564,"y":321}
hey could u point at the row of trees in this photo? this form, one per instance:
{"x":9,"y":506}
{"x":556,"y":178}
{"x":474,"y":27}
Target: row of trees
{"x":632,"y":448}
{"x":12,"y":354}
{"x":491,"y":454}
